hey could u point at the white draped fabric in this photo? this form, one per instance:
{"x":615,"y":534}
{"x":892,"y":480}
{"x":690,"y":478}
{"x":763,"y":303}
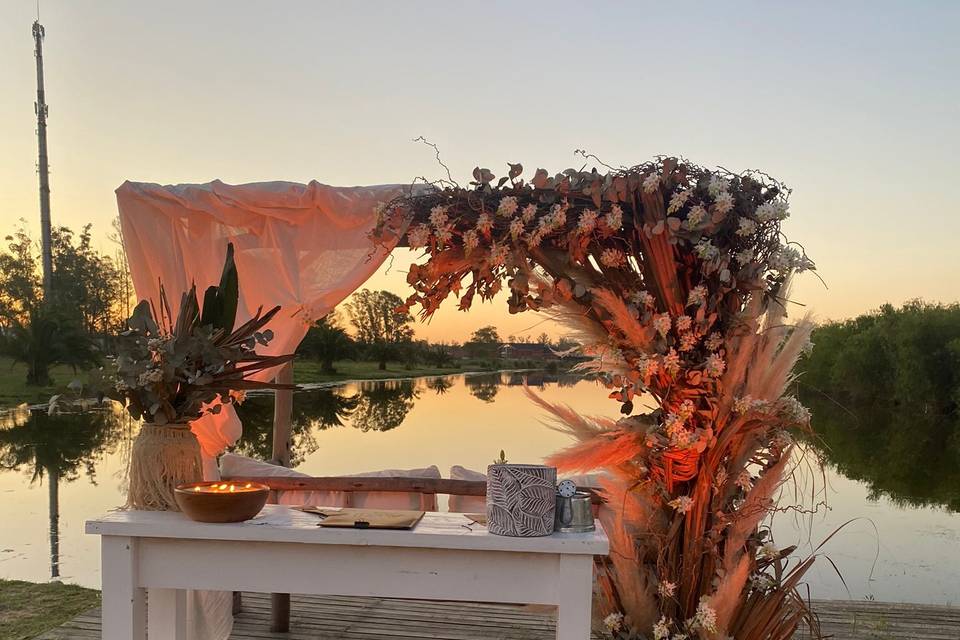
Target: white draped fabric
{"x":304,"y":247}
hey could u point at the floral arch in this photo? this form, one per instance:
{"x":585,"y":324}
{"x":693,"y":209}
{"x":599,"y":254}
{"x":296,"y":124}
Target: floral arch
{"x":675,"y":280}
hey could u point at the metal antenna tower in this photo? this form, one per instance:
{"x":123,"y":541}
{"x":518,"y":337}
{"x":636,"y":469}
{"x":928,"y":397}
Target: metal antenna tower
{"x":43,"y":168}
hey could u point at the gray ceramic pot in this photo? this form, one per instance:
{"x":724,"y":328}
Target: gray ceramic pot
{"x":521,"y":499}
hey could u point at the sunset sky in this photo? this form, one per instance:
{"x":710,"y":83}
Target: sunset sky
{"x":856,"y":105}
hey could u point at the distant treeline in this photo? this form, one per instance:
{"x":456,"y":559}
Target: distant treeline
{"x":884,"y":389}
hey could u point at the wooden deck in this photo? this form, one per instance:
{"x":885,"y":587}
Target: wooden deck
{"x":343,"y":618}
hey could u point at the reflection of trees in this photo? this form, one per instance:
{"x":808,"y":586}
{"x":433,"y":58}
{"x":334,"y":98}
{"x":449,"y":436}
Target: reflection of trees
{"x":383,"y":405}
{"x":909,"y":456}
{"x":317,"y":409}
{"x":484,"y":387}
{"x":58,"y":446}
{"x":440,"y":385}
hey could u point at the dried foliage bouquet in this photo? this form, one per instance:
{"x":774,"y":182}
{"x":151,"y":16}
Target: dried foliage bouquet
{"x":674,"y":279}
{"x":170,"y":372}
{"x":174,"y":370}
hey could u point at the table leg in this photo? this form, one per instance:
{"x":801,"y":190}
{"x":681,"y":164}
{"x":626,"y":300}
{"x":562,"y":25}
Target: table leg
{"x":166,"y":614}
{"x":124,"y":606}
{"x":575,"y":597}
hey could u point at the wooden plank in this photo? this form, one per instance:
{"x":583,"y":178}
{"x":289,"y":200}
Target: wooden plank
{"x":347,"y":618}
{"x":388,"y":484}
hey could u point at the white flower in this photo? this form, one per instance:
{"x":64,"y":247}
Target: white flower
{"x":558,"y":215}
{"x":762,"y":581}
{"x":705,"y":250}
{"x":445,"y":234}
{"x":508,"y":206}
{"x":747,"y":227}
{"x":723,"y":203}
{"x":419,"y":236}
{"x":682,"y":504}
{"x":744,"y":256}
{"x":651,"y":182}
{"x":516,"y":227}
{"x":662,"y":324}
{"x":612,"y":258}
{"x":717,"y":185}
{"x":587,"y":221}
{"x":697,"y":296}
{"x":642,"y":299}
{"x":714,"y":341}
{"x":687,"y":409}
{"x":705,"y":618}
{"x":471,"y":240}
{"x":744,"y":481}
{"x":780,"y":210}
{"x":498,"y":254}
{"x":661,"y":630}
{"x":683,"y":323}
{"x":614,"y":218}
{"x":677,"y":200}
{"x":785,"y":259}
{"x":696,"y":217}
{"x":534,"y":239}
{"x":766,"y":212}
{"x":666,"y":589}
{"x":769,"y":551}
{"x":714,"y":366}
{"x":484,"y":223}
{"x":794,"y":411}
{"x":721,"y":477}
{"x":648,"y":366}
{"x":781,"y":440}
{"x":614,"y":621}
{"x":671,"y":362}
{"x":688,"y":341}
{"x":742,"y":404}
{"x":529,"y":212}
{"x":438,"y":216}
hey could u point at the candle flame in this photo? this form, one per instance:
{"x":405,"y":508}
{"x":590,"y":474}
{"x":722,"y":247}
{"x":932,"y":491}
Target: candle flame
{"x":248,"y":485}
{"x":197,"y":489}
{"x":222,"y":487}
{"x":232,"y":488}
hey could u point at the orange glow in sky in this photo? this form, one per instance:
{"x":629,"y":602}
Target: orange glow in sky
{"x":854,"y":106}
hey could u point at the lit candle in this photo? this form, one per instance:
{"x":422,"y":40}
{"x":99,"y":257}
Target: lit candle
{"x":225,"y":487}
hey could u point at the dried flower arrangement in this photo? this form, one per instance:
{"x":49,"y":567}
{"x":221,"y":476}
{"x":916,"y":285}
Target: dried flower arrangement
{"x":674,"y":279}
{"x":170,"y":372}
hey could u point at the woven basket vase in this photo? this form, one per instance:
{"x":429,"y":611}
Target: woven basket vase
{"x":163,"y":457}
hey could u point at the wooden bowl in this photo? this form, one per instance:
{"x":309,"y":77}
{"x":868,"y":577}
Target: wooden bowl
{"x":203,"y":506}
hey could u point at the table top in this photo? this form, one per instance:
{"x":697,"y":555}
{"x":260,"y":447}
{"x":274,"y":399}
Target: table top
{"x":278,"y":523}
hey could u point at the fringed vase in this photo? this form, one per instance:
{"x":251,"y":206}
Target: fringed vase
{"x":163,"y":456}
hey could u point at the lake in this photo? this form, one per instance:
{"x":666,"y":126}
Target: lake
{"x":900,"y":546}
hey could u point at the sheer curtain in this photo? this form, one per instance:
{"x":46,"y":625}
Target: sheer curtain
{"x":302,"y":246}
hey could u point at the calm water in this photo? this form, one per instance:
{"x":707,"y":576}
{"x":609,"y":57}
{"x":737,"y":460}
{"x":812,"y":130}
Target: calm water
{"x":898,"y":489}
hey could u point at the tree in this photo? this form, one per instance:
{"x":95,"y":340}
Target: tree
{"x":327,"y":341}
{"x":379,"y":324}
{"x":87,"y":300}
{"x":484,"y":343}
{"x":47,"y":337}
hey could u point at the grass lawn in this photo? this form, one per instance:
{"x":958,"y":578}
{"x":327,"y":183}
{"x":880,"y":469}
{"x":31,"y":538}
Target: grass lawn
{"x":305,"y":371}
{"x":28,"y":609}
{"x":14,"y":389}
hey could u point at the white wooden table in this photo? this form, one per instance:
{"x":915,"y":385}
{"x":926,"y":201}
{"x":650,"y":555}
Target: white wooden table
{"x":282,"y":550}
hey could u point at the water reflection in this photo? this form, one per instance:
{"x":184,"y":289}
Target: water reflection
{"x":55,"y":448}
{"x":914,"y":459}
{"x":910,"y":457}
